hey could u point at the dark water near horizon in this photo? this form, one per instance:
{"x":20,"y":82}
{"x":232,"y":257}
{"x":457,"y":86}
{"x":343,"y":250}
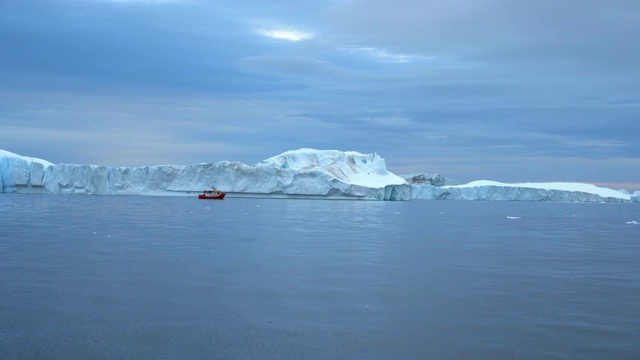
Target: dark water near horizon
{"x":119,"y":277}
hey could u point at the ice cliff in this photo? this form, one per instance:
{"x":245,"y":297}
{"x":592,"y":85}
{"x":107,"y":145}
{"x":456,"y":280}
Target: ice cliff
{"x":300,"y":173}
{"x":304,"y":173}
{"x":492,"y":190}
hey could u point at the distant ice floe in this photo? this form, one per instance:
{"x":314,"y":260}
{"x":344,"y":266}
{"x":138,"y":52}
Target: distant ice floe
{"x":493,"y":190}
{"x":514,"y":217}
{"x":633,"y":222}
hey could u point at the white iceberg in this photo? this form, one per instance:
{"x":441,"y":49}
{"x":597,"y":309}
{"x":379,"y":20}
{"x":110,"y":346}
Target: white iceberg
{"x":493,"y":190}
{"x":306,"y":173}
{"x":15,"y":169}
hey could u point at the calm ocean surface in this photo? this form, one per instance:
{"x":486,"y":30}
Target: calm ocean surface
{"x":125,"y":277}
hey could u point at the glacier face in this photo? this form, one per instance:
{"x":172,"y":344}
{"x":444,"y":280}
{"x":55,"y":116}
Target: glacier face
{"x":300,"y":173}
{"x":495,"y":191}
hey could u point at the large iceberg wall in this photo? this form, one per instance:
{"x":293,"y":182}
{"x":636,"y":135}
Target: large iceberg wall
{"x":18,"y":172}
{"x":300,"y":173}
{"x":491,"y":191}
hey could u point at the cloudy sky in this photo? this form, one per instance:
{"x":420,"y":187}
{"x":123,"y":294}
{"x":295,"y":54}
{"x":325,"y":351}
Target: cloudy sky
{"x":538,"y":90}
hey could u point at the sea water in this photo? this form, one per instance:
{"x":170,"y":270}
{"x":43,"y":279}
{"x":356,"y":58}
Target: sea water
{"x":90,"y":277}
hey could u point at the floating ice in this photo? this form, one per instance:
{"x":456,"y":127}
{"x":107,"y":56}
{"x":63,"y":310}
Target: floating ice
{"x":492,"y":190}
{"x":513,"y":217}
{"x":633,"y":222}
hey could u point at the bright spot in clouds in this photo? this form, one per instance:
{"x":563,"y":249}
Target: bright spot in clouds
{"x":288,"y":35}
{"x":385,"y":55}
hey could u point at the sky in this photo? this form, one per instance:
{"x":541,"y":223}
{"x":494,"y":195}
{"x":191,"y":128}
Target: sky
{"x":512,"y":91}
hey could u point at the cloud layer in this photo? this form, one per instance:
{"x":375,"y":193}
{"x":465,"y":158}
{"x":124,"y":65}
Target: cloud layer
{"x":511,"y":91}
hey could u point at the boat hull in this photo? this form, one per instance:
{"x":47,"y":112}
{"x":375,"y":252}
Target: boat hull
{"x":212,"y":197}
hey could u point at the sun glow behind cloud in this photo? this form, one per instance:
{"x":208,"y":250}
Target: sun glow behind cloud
{"x":284,"y":34}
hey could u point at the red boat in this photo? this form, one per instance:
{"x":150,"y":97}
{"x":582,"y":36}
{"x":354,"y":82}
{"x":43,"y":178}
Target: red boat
{"x":212,"y":195}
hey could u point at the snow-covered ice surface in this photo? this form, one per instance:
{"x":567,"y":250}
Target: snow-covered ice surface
{"x":493,"y":190}
{"x":4,"y":153}
{"x":350,"y":167}
{"x":299,"y":173}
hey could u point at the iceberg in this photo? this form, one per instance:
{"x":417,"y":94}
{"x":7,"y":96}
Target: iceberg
{"x":16,"y":170}
{"x":493,"y":190}
{"x":304,"y":173}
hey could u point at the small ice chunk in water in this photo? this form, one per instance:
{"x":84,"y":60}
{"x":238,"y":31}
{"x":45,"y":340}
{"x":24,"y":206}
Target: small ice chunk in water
{"x":513,"y":217}
{"x":633,"y":222}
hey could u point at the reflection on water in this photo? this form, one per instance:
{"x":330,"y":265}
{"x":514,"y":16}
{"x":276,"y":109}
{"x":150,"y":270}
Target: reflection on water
{"x":175,"y":277}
